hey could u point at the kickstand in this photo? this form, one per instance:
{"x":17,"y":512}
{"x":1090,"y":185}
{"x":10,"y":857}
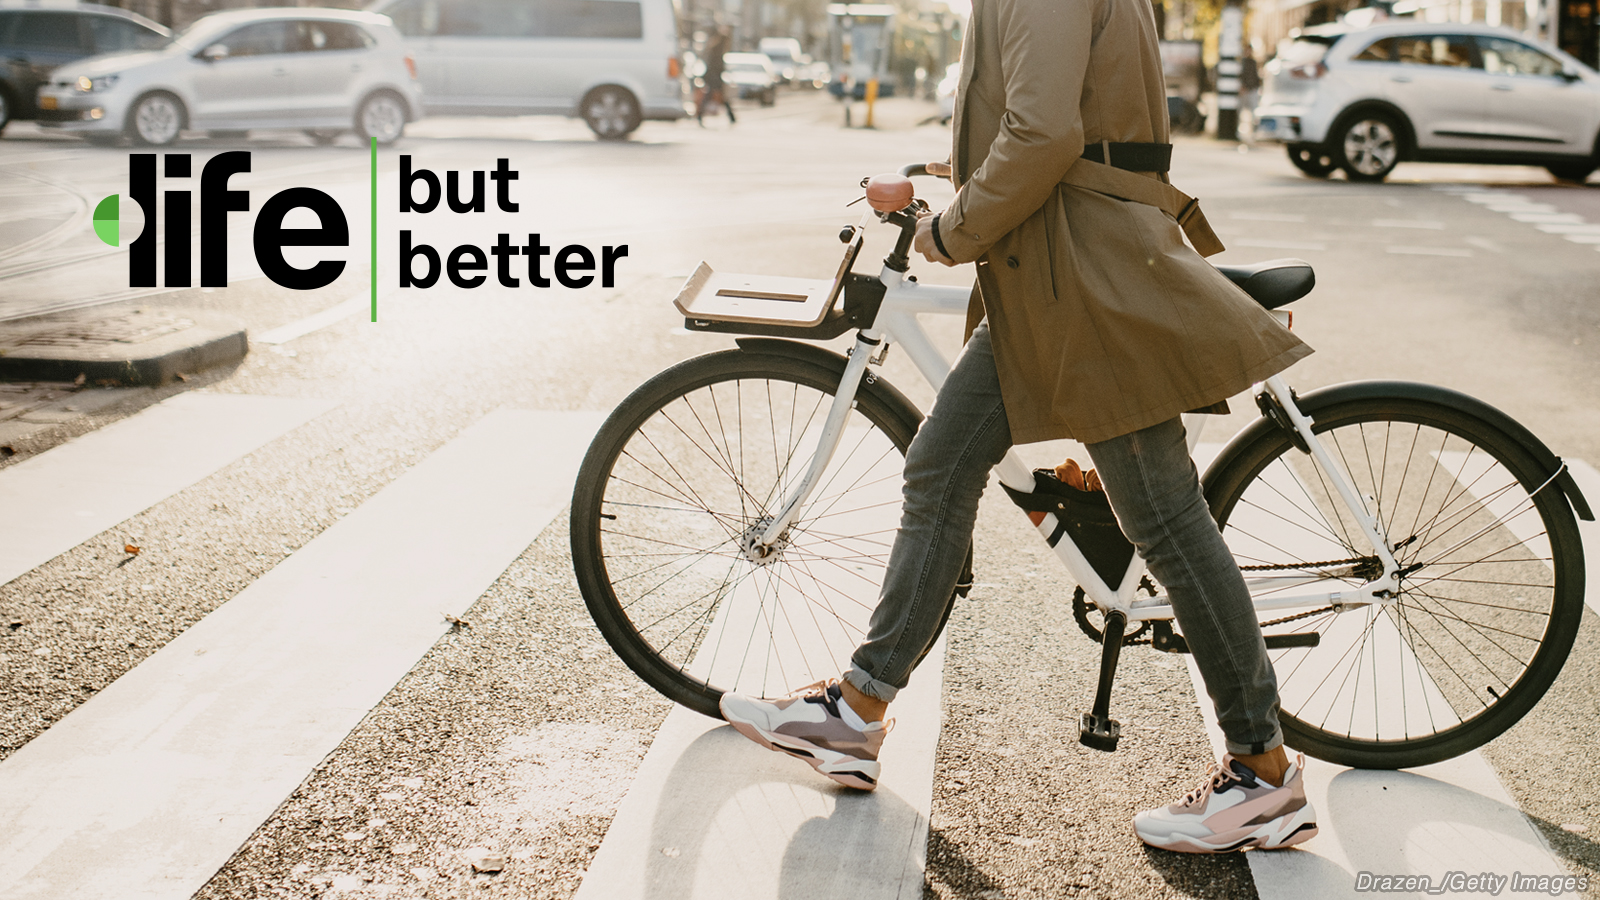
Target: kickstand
{"x":1098,"y":730}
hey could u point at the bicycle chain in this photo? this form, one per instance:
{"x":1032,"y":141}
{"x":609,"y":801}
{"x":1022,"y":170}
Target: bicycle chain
{"x":1081,"y":609}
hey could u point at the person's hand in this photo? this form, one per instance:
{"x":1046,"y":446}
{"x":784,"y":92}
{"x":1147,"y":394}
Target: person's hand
{"x":923,"y":241}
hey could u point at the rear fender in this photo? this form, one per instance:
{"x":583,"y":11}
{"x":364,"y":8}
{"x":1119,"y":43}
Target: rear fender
{"x":1549,"y":464}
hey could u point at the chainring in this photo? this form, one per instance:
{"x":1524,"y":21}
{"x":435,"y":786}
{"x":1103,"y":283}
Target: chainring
{"x":1081,"y":610}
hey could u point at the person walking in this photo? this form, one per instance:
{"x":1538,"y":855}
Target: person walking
{"x":714,"y":88}
{"x":1092,"y":320}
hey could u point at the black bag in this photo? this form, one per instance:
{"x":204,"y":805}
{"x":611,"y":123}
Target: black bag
{"x":1087,"y":516}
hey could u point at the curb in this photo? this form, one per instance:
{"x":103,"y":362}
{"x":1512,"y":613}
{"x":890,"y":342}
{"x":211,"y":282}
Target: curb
{"x":138,"y":347}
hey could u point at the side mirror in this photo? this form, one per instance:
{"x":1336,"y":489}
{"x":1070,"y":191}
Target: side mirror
{"x":214,"y":52}
{"x":1570,"y":76}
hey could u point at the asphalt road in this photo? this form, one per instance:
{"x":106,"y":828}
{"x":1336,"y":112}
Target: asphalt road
{"x":519,"y":730}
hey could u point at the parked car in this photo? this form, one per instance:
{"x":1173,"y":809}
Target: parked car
{"x":36,"y":38}
{"x":785,"y":55}
{"x":1364,"y":100}
{"x":322,"y":70}
{"x":858,"y":88}
{"x":612,"y":62}
{"x":753,"y":74}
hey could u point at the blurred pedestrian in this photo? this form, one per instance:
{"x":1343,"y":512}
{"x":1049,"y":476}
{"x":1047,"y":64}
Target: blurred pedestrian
{"x":717,"y":46}
{"x":1249,"y":86}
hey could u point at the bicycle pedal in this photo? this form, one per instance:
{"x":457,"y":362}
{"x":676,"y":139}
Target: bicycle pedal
{"x":1099,"y":733}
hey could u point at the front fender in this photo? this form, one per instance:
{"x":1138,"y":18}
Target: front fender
{"x":1323,"y":398}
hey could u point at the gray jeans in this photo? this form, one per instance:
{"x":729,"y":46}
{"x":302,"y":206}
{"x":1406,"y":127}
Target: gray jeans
{"x":1154,"y":490}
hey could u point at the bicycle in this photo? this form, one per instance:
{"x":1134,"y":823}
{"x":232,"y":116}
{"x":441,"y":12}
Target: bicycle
{"x":1412,"y":552}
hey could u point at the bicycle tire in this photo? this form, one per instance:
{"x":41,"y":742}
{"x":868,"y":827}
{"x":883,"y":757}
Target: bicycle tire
{"x":689,"y":441}
{"x":1478,"y":632}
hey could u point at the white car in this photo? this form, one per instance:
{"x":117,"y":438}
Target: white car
{"x":321,"y":70}
{"x":785,"y":55}
{"x":1364,"y":100}
{"x":615,"y":63}
{"x":753,"y":74}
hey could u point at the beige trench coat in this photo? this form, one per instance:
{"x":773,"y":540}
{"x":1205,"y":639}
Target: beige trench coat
{"x":1104,"y":321}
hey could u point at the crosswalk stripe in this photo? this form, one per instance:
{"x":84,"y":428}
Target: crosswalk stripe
{"x":68,"y":494}
{"x":151,"y":785}
{"x":1453,"y":816}
{"x":712,"y":815}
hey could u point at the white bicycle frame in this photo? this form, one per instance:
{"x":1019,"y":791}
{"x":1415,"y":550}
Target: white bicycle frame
{"x":904,"y":299}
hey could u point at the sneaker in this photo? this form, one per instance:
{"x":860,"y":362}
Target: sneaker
{"x":807,"y":724}
{"x":1233,"y":810}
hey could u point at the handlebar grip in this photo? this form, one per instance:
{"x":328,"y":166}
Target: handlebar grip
{"x":936,"y":169}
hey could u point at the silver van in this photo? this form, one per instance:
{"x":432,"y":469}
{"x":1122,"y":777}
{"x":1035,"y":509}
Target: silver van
{"x":612,"y":62}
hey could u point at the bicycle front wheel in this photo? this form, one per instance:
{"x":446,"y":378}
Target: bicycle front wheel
{"x":682,"y":478}
{"x":1491,"y":593}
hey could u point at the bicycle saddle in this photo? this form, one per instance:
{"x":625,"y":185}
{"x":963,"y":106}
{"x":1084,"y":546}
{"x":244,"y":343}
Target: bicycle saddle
{"x":1274,"y":283}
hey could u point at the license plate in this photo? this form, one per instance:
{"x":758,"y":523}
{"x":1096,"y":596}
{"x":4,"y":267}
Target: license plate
{"x":47,"y":103}
{"x":1269,"y":125}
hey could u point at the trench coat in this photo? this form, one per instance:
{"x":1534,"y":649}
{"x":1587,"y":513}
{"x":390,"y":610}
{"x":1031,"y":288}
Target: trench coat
{"x":1104,"y":321}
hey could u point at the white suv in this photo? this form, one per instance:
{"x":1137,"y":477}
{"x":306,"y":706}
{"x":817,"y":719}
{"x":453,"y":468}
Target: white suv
{"x":1365,"y":100}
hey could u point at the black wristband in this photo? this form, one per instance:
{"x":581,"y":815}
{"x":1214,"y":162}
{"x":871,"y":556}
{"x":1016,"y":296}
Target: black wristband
{"x":936,"y":241}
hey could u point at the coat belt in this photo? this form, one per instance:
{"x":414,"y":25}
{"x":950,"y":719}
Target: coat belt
{"x":1117,"y":182}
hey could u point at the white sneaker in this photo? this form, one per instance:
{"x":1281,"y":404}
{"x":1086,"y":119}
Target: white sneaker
{"x":807,"y":724}
{"x":1233,"y":810}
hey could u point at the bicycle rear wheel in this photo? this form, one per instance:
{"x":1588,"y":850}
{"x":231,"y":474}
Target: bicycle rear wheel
{"x":1491,"y":593}
{"x":679,"y":479}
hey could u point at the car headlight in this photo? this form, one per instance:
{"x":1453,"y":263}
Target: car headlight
{"x":87,"y":85}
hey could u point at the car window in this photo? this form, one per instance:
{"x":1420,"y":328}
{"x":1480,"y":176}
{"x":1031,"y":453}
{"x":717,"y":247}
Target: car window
{"x":316,"y":36}
{"x":593,"y":19}
{"x":55,"y":31}
{"x":261,"y":39}
{"x":1377,"y":51}
{"x":110,"y":34}
{"x":1451,"y":50}
{"x":1507,"y":57}
{"x":488,"y":18}
{"x":415,"y":18}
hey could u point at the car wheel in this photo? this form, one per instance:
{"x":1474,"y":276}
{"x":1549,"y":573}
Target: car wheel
{"x":5,"y":110}
{"x":322,"y":137}
{"x":1312,"y":160}
{"x":156,"y":120}
{"x":381,"y":116}
{"x":1578,"y":171}
{"x":1368,"y":146}
{"x":770,"y":97}
{"x":611,"y":113}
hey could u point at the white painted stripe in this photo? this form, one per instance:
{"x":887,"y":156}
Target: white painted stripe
{"x":1277,"y":245}
{"x":1425,"y":224}
{"x":1267,"y":217}
{"x":1430,"y":251}
{"x":1548,"y":218}
{"x":66,"y":495}
{"x":316,"y":322}
{"x":712,"y":815}
{"x":1448,"y":817}
{"x":1572,"y":228}
{"x":1453,"y":816}
{"x":1589,"y":483}
{"x":150,"y":786}
{"x":1583,"y":238}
